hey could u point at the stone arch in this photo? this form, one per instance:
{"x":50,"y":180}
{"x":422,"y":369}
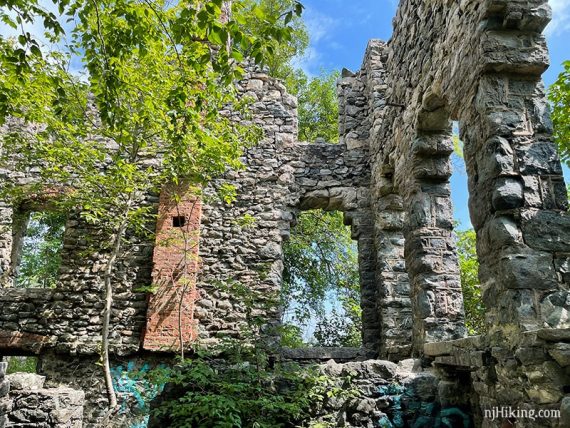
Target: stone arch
{"x":430,"y":248}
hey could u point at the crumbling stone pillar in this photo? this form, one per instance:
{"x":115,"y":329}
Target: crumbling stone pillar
{"x":363,"y":231}
{"x":430,"y":249}
{"x":394,"y":303}
{"x":518,"y":198}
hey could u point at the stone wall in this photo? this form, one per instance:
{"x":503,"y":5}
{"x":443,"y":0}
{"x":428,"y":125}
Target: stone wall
{"x":282,"y":176}
{"x":5,"y":401}
{"x":362,"y":115}
{"x":29,"y":404}
{"x":480,"y":62}
{"x":528,"y":376}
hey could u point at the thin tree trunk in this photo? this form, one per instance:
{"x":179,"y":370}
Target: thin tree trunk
{"x":108,"y":297}
{"x":180,"y":333}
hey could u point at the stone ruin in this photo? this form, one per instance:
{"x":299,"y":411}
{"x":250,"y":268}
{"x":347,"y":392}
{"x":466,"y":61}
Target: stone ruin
{"x":478,"y":62}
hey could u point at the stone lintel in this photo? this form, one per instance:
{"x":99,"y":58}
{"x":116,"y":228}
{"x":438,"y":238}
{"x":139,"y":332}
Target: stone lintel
{"x":435,"y":349}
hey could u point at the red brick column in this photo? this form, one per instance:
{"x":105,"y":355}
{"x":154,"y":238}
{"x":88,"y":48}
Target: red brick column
{"x":171,"y":306}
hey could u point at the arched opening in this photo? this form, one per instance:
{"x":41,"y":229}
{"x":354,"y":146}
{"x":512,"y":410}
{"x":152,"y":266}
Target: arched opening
{"x":329,"y":291}
{"x":465,"y":239}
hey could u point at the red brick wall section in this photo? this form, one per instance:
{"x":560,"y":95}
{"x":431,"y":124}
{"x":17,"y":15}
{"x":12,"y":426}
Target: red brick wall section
{"x":174,"y":272}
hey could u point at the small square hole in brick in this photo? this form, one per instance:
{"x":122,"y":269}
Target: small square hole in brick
{"x":178,"y":221}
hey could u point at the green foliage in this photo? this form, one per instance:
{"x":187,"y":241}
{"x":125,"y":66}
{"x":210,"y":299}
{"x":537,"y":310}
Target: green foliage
{"x":469,"y":269}
{"x":280,"y":63}
{"x":22,"y":365}
{"x":317,"y":105}
{"x":291,"y":336}
{"x":559,"y":95}
{"x":240,"y":391}
{"x":41,"y":250}
{"x":246,"y":221}
{"x":321,"y":267}
{"x":457,"y":146}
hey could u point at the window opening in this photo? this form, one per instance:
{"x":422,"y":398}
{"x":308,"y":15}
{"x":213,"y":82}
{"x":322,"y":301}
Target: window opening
{"x":321,"y":289}
{"x":466,"y":241}
{"x":37,"y":245}
{"x":178,"y":221}
{"x":21,"y":364}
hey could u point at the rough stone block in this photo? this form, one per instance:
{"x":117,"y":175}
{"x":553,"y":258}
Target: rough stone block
{"x":496,"y":159}
{"x":502,"y":231}
{"x":529,"y":269}
{"x":538,"y":158}
{"x":547,"y":230}
{"x":514,"y":52}
{"x":508,"y":194}
{"x":435,"y":168}
{"x":555,"y":309}
{"x":531,"y":355}
{"x":432,"y":145}
{"x":561,"y":353}
{"x":26,"y":381}
{"x":554,"y":335}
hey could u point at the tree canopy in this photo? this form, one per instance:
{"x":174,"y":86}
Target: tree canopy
{"x":318,"y":105}
{"x":321,"y":270}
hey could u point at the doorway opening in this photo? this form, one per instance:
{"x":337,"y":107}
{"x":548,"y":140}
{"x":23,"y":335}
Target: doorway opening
{"x":466,"y":240}
{"x":320,"y":294}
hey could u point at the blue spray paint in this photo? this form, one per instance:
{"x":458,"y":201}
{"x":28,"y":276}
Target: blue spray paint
{"x":135,"y":391}
{"x":419,"y":414}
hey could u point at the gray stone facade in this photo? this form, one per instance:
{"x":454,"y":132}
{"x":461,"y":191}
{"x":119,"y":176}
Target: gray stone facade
{"x":33,"y":405}
{"x":478,"y":62}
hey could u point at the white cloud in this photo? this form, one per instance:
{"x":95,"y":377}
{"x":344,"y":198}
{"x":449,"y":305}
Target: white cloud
{"x":319,"y":25}
{"x":308,"y":62}
{"x":320,"y":28}
{"x":560,"y":17}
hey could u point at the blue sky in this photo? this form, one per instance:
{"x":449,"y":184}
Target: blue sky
{"x":340,"y":31}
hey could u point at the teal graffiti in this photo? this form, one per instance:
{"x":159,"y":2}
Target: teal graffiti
{"x":418,"y":414}
{"x":135,"y":392}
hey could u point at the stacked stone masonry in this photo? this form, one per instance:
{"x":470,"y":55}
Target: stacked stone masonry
{"x":477,"y":62}
{"x":33,"y":405}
